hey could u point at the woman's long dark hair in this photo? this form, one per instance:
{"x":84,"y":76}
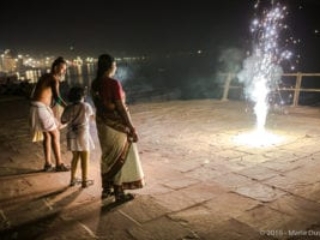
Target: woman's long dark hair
{"x":104,"y":64}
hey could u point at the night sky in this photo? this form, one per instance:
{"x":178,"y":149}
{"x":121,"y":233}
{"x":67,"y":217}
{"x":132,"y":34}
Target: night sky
{"x":88,"y":28}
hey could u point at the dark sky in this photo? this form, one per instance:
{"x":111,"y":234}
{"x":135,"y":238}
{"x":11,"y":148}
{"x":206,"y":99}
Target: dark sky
{"x":137,"y":27}
{"x":127,"y":26}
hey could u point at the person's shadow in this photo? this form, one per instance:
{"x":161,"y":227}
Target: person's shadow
{"x":9,"y":171}
{"x":37,"y":215}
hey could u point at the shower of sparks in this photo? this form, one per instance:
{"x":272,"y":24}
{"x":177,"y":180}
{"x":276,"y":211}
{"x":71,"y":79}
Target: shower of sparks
{"x":269,"y":56}
{"x":262,"y":71}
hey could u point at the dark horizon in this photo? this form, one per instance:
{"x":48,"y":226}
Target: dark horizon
{"x":138,"y":28}
{"x":128,"y":28}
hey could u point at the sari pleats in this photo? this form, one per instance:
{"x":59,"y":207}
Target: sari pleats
{"x":120,"y":162}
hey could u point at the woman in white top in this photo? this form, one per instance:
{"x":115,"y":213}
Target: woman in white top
{"x":77,"y":115}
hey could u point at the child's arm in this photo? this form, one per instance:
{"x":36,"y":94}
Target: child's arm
{"x":65,"y":116}
{"x":90,"y":112}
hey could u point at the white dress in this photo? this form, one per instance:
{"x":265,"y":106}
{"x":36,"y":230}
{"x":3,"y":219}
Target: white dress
{"x":77,"y":115}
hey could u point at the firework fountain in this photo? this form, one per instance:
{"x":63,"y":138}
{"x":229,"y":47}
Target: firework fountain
{"x":262,"y":71}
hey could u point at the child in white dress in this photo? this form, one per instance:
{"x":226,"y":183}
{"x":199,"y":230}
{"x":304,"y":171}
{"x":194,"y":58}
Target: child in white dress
{"x":77,"y":115}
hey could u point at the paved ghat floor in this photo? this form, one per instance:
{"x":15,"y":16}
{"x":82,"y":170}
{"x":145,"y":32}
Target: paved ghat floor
{"x":203,"y":182}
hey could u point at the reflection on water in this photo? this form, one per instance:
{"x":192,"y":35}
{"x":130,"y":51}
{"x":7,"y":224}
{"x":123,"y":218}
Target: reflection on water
{"x":33,"y":75}
{"x":76,"y":75}
{"x":81,"y":75}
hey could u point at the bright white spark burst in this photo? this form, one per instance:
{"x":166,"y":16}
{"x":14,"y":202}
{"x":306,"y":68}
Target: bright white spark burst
{"x":269,"y":55}
{"x":262,"y":71}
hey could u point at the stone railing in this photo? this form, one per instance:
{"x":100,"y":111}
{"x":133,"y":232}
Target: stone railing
{"x":295,"y":88}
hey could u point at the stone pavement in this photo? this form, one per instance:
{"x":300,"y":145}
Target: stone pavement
{"x":202,"y":183}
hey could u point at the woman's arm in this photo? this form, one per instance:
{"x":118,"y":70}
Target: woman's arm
{"x":125,"y":115}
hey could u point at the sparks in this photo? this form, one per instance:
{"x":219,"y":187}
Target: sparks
{"x":262,"y":71}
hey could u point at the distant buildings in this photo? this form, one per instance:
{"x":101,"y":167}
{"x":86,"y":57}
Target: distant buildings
{"x":7,"y":62}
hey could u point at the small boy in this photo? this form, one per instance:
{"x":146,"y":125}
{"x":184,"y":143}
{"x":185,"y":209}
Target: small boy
{"x":77,"y":116}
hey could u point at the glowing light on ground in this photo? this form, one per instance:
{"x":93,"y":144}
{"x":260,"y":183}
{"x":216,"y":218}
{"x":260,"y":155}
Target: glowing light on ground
{"x":259,"y":138}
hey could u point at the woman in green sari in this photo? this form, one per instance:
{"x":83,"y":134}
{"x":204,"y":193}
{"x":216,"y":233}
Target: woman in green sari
{"x":120,"y":164}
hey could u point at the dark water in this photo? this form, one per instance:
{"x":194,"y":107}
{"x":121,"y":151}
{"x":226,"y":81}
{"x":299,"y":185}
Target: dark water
{"x":184,"y":77}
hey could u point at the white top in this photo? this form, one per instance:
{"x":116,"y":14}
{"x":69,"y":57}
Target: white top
{"x":77,"y":115}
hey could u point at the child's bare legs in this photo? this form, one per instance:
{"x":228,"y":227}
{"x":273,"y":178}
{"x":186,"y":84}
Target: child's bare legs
{"x":85,"y":155}
{"x":74,"y":165}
